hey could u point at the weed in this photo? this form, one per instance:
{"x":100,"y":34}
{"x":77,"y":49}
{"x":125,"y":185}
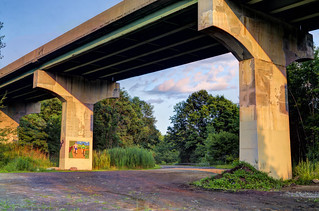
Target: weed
{"x":18,"y":158}
{"x":242,"y":176}
{"x":306,"y":171}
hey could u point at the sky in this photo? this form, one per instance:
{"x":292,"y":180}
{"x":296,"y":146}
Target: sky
{"x":30,"y":24}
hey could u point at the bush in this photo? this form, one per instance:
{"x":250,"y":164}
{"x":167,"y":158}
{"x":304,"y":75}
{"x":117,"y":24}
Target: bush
{"x":165,"y":153}
{"x":242,"y":176}
{"x":222,"y":147}
{"x":307,"y":171}
{"x":121,"y":158}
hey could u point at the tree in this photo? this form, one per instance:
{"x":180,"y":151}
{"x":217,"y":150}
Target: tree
{"x":42,"y":131}
{"x":192,"y":118}
{"x":2,"y":44}
{"x":124,"y":122}
{"x":3,"y":131}
{"x":165,"y":151}
{"x":222,"y":147}
{"x":303,"y":89}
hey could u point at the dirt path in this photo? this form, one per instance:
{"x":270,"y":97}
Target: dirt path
{"x":162,"y":189}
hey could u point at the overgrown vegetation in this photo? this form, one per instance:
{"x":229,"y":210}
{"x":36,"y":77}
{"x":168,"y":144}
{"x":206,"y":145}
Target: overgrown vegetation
{"x":21,"y":158}
{"x":306,"y":171}
{"x":242,"y":177}
{"x":123,"y":158}
{"x":303,"y":90}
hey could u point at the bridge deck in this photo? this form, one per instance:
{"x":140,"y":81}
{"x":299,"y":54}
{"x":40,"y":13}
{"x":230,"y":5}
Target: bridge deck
{"x":131,"y":39}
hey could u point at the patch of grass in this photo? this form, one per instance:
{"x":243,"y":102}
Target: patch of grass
{"x":225,"y":166}
{"x":16,"y":158}
{"x":306,"y":171}
{"x":123,"y":158}
{"x":242,"y":177}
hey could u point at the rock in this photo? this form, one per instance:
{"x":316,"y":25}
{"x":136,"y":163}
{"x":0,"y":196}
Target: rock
{"x":52,"y":168}
{"x":316,"y":181}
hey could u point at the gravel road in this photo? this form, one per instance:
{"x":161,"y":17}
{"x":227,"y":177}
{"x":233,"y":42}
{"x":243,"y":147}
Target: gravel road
{"x":161,"y":189}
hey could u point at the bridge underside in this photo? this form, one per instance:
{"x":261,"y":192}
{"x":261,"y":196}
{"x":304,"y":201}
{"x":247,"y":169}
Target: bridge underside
{"x":171,"y":41}
{"x":164,"y":34}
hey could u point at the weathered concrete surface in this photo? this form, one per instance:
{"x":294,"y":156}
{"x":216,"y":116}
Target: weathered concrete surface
{"x":162,"y":189}
{"x":78,"y":95}
{"x":11,"y":115}
{"x":264,"y":46}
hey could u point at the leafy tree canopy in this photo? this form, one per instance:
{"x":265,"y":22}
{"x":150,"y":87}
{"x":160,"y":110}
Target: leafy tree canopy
{"x":192,"y":119}
{"x":303,"y":86}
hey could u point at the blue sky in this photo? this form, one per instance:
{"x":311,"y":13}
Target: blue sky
{"x":30,"y":24}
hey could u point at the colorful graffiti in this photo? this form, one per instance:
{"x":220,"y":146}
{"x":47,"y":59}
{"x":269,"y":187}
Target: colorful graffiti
{"x":79,"y":149}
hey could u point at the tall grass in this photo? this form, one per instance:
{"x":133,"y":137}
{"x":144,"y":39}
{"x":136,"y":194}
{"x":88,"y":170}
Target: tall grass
{"x":21,"y":158}
{"x":123,"y":158}
{"x":307,"y":170}
{"x":101,"y":160}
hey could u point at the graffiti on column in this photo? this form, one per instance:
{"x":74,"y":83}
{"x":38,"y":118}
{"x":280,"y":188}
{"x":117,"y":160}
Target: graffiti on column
{"x":79,"y":149}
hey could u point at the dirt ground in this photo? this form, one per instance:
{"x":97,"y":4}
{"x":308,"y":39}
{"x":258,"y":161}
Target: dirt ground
{"x":162,"y":189}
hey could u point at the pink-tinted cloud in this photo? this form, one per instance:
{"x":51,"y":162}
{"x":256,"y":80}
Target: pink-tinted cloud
{"x":197,"y":77}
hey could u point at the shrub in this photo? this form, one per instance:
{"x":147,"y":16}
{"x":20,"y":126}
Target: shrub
{"x":222,"y":147}
{"x":307,"y":171}
{"x":242,"y":176}
{"x":165,"y":153}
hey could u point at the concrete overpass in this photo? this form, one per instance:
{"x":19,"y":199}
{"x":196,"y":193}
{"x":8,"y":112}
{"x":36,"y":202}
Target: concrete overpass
{"x":133,"y":38}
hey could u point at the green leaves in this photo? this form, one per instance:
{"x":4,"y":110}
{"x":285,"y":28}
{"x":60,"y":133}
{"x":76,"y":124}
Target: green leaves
{"x":2,"y":44}
{"x":242,"y":176}
{"x":192,"y":119}
{"x":303,"y":86}
{"x":124,"y":122}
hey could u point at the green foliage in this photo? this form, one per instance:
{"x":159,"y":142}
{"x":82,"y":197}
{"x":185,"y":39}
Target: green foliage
{"x":42,"y":131}
{"x":223,"y":146}
{"x":306,"y":171}
{"x":123,"y":158}
{"x":31,"y":132}
{"x":2,"y":44}
{"x":17,"y":158}
{"x":4,"y":131}
{"x":165,"y":152}
{"x":101,"y":160}
{"x":192,"y":119}
{"x":242,"y":176}
{"x":124,"y":122}
{"x":303,"y":88}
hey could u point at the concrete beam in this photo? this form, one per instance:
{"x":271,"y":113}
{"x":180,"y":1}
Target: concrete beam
{"x":10,"y":117}
{"x":78,"y":95}
{"x":260,"y":36}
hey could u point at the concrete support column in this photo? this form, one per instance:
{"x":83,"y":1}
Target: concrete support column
{"x":264,"y":46}
{"x":264,"y":119}
{"x":78,"y":95}
{"x":10,"y":117}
